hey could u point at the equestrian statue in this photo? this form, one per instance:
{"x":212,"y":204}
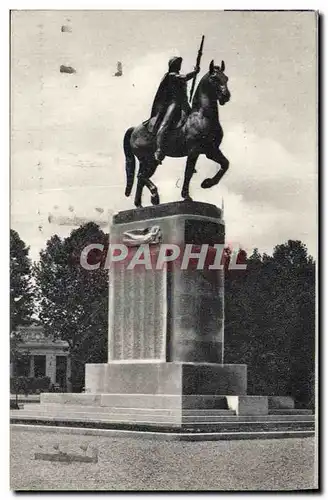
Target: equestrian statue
{"x":177,"y":129}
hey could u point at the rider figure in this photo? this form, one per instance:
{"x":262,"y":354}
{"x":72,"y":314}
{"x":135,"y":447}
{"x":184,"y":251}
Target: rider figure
{"x":170,"y":101}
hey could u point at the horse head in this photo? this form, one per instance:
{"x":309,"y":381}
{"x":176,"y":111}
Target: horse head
{"x":219,"y":82}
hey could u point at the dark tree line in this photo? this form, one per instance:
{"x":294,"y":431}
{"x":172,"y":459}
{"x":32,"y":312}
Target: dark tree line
{"x":21,"y":292}
{"x":269,"y":309}
{"x":270,"y":321}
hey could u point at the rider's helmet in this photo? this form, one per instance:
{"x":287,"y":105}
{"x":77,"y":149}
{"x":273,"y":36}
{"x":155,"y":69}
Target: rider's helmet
{"x":175,"y":64}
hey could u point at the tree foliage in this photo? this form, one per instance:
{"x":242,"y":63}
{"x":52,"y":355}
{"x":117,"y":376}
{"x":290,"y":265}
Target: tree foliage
{"x":270,"y":321}
{"x":73,"y":301}
{"x":21,"y":290}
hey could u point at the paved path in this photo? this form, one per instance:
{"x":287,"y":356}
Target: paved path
{"x":136,"y":464}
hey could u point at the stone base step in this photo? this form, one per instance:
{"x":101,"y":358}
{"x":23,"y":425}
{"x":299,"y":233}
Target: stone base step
{"x":294,"y":411}
{"x":153,"y":401}
{"x":126,"y":410}
{"x":209,"y":424}
{"x":130,"y":420}
{"x":160,"y":435}
{"x":166,"y":401}
{"x":122,"y":414}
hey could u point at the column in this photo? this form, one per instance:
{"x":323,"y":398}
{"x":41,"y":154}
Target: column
{"x":51,"y":367}
{"x":31,"y":374}
{"x":68,"y":373}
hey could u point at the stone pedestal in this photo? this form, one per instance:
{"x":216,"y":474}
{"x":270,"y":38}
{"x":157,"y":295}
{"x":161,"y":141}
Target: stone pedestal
{"x":166,"y":326}
{"x":174,"y":378}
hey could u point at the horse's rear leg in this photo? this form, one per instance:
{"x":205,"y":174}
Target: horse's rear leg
{"x":219,"y":158}
{"x":146,"y":170}
{"x":190,"y":170}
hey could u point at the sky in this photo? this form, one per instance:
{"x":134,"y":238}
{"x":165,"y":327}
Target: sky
{"x":67,"y":160}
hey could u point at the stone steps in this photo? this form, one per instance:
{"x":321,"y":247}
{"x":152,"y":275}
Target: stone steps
{"x":152,"y":401}
{"x":123,"y":414}
{"x":91,"y":414}
{"x":294,"y":411}
{"x":207,"y":427}
{"x":221,"y":421}
{"x":127,"y":410}
{"x":177,"y":435}
{"x":252,"y":425}
{"x":241,"y":419}
{"x":18,"y":415}
{"x":199,"y":412}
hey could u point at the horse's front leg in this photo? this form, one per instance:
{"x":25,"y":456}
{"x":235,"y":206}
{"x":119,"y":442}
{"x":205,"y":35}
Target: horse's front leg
{"x":138,"y":196}
{"x":190,"y":169}
{"x":153,"y":191}
{"x":219,"y":158}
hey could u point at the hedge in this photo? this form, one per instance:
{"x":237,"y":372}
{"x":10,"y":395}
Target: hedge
{"x":29,"y":385}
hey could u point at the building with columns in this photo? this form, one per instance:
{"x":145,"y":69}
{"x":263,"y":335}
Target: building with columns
{"x":44,"y":357}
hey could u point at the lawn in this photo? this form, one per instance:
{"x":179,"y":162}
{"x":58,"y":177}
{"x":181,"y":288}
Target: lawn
{"x":137,"y":464}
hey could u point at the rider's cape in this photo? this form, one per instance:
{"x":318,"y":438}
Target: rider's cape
{"x":163,"y":95}
{"x":170,"y":89}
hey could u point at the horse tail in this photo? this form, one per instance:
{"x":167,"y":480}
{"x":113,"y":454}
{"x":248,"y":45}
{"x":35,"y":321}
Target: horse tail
{"x":130,"y":162}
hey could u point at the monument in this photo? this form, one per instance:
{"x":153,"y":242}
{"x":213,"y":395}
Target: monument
{"x":166,"y":326}
{"x":165,"y":364}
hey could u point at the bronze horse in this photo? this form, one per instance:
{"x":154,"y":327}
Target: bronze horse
{"x":200,"y":134}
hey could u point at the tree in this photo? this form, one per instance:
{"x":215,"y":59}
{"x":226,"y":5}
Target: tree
{"x":21,"y":291}
{"x":297,"y":271}
{"x":73,"y":301}
{"x":270,"y":321}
